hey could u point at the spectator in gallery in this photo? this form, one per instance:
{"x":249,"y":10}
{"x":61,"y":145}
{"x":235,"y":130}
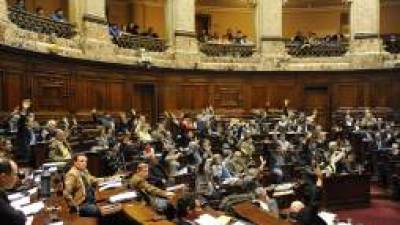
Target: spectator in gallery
{"x":298,"y":38}
{"x":132,"y":29}
{"x":150,"y":33}
{"x":114,"y":30}
{"x":20,"y":4}
{"x":39,"y":11}
{"x":58,"y":15}
{"x":204,"y":36}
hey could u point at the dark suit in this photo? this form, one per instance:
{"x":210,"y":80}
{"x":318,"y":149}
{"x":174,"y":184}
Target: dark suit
{"x":309,"y":216}
{"x":8,"y":214}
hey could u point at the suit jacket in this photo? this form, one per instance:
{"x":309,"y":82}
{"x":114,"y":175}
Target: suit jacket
{"x":74,"y":187}
{"x":8,"y":214}
{"x":309,"y":216}
{"x":142,"y":185}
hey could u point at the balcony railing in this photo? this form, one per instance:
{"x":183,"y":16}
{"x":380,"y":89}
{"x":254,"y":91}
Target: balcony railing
{"x":137,"y":42}
{"x":334,"y":49}
{"x":29,"y":21}
{"x":233,"y":50}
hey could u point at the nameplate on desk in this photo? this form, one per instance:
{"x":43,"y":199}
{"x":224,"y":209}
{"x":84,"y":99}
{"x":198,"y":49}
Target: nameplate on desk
{"x":126,"y":196}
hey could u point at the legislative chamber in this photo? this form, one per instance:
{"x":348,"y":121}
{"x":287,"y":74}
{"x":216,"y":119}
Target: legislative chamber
{"x":199,"y":112}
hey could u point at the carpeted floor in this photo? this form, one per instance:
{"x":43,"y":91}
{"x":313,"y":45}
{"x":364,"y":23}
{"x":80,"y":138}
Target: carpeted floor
{"x":381,"y":212}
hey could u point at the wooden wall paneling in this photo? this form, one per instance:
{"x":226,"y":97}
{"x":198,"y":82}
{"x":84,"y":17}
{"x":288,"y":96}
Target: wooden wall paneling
{"x":395,"y":103}
{"x":13,"y":90}
{"x":50,"y":92}
{"x":81,"y":96}
{"x":279,"y":91}
{"x":144,"y":100}
{"x":258,"y":96}
{"x":2,"y":91}
{"x":346,"y":95}
{"x":64,"y":84}
{"x":317,"y":97}
{"x":115,"y":96}
{"x":194,"y":96}
{"x":381,"y":92}
{"x":228,"y":96}
{"x":97,"y":94}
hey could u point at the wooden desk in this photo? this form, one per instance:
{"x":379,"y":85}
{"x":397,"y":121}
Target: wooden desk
{"x":143,"y":214}
{"x":255,"y":215}
{"x":68,"y":218}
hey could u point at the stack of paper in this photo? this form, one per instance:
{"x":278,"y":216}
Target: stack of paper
{"x":15,"y":196}
{"x":33,"y":208}
{"x":207,"y":219}
{"x":182,"y":171}
{"x":21,"y":202}
{"x":224,"y":220}
{"x":126,"y":196}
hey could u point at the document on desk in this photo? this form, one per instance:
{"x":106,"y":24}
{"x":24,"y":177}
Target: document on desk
{"x":17,"y":204}
{"x":207,"y":219}
{"x":181,"y":172}
{"x":175,"y":187}
{"x":33,"y":208}
{"x":126,"y":196}
{"x":15,"y":196}
{"x":224,"y":220}
{"x":33,"y":191}
{"x":110,"y":184}
{"x":328,"y":217}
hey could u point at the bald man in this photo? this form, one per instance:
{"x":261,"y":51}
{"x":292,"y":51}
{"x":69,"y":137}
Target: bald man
{"x":8,"y":179}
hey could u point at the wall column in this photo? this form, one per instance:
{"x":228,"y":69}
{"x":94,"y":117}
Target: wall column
{"x":3,"y":11}
{"x":364,"y":26}
{"x":270,"y":42}
{"x":75,"y":13}
{"x":95,"y":42}
{"x":181,"y":27}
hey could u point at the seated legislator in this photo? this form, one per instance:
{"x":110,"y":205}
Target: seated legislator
{"x":188,"y":208}
{"x":265,"y":202}
{"x":78,"y":188}
{"x":59,"y":147}
{"x":8,"y":179}
{"x":157,"y":197}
